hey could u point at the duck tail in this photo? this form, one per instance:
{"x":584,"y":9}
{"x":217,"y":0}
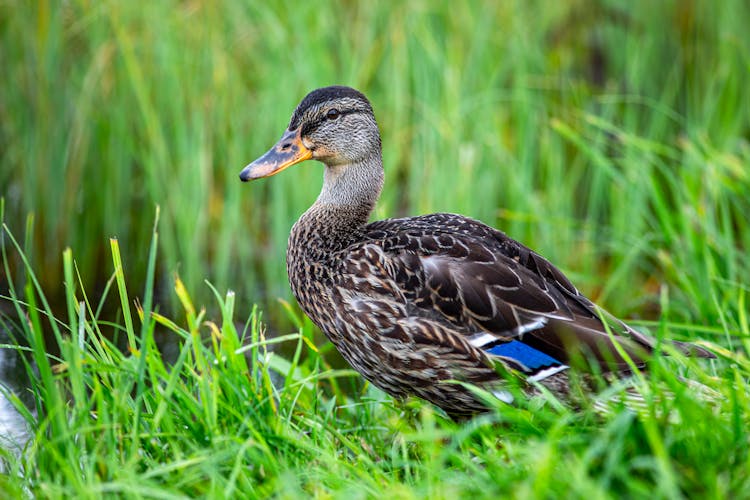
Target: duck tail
{"x":693,"y":350}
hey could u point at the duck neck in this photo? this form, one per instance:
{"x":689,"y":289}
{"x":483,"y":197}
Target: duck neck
{"x":349,"y":194}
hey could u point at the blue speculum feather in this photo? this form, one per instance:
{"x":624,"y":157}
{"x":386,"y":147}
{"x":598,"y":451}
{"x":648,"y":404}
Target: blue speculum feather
{"x":524,"y":354}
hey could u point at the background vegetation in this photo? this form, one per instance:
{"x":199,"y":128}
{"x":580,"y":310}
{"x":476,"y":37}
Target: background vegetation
{"x":613,"y":137}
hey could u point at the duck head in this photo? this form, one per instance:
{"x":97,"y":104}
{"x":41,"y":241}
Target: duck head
{"x":334,"y":125}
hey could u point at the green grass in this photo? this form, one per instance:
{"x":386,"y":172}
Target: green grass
{"x":229,"y":416}
{"x":612,"y":137}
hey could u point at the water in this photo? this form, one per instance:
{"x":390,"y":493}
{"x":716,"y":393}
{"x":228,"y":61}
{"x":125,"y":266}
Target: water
{"x":14,"y":429}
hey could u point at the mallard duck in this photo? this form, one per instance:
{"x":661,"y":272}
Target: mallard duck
{"x":415,"y":304}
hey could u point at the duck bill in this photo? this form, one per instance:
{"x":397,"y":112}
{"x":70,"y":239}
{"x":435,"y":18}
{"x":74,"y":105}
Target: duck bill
{"x":285,"y":153}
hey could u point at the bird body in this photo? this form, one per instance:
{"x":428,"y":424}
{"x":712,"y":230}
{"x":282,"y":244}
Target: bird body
{"x":416,"y":304}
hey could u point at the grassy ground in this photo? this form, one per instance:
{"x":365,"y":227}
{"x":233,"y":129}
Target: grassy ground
{"x":612,"y":138}
{"x":230,"y":417}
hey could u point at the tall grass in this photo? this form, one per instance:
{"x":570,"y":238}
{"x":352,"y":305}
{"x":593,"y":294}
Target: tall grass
{"x":612,"y":138}
{"x":230,"y":417}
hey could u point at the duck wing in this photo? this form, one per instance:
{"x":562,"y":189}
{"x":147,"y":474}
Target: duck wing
{"x":502,"y":297}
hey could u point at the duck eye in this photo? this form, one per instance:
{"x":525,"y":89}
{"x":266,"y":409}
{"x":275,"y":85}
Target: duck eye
{"x":332,"y":114}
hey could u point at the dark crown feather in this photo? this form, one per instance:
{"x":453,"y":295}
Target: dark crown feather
{"x":326,"y":94}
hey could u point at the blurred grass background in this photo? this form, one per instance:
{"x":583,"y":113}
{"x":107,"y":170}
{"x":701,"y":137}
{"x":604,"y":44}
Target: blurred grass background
{"x":613,"y":137}
{"x":610,"y":136}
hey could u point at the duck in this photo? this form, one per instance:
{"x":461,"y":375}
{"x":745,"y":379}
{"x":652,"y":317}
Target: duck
{"x":434,"y":306}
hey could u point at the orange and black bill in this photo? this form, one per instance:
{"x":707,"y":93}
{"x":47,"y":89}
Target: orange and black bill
{"x":285,"y":153}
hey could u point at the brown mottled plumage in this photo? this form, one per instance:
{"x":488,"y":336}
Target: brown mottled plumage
{"x":415,"y":304}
